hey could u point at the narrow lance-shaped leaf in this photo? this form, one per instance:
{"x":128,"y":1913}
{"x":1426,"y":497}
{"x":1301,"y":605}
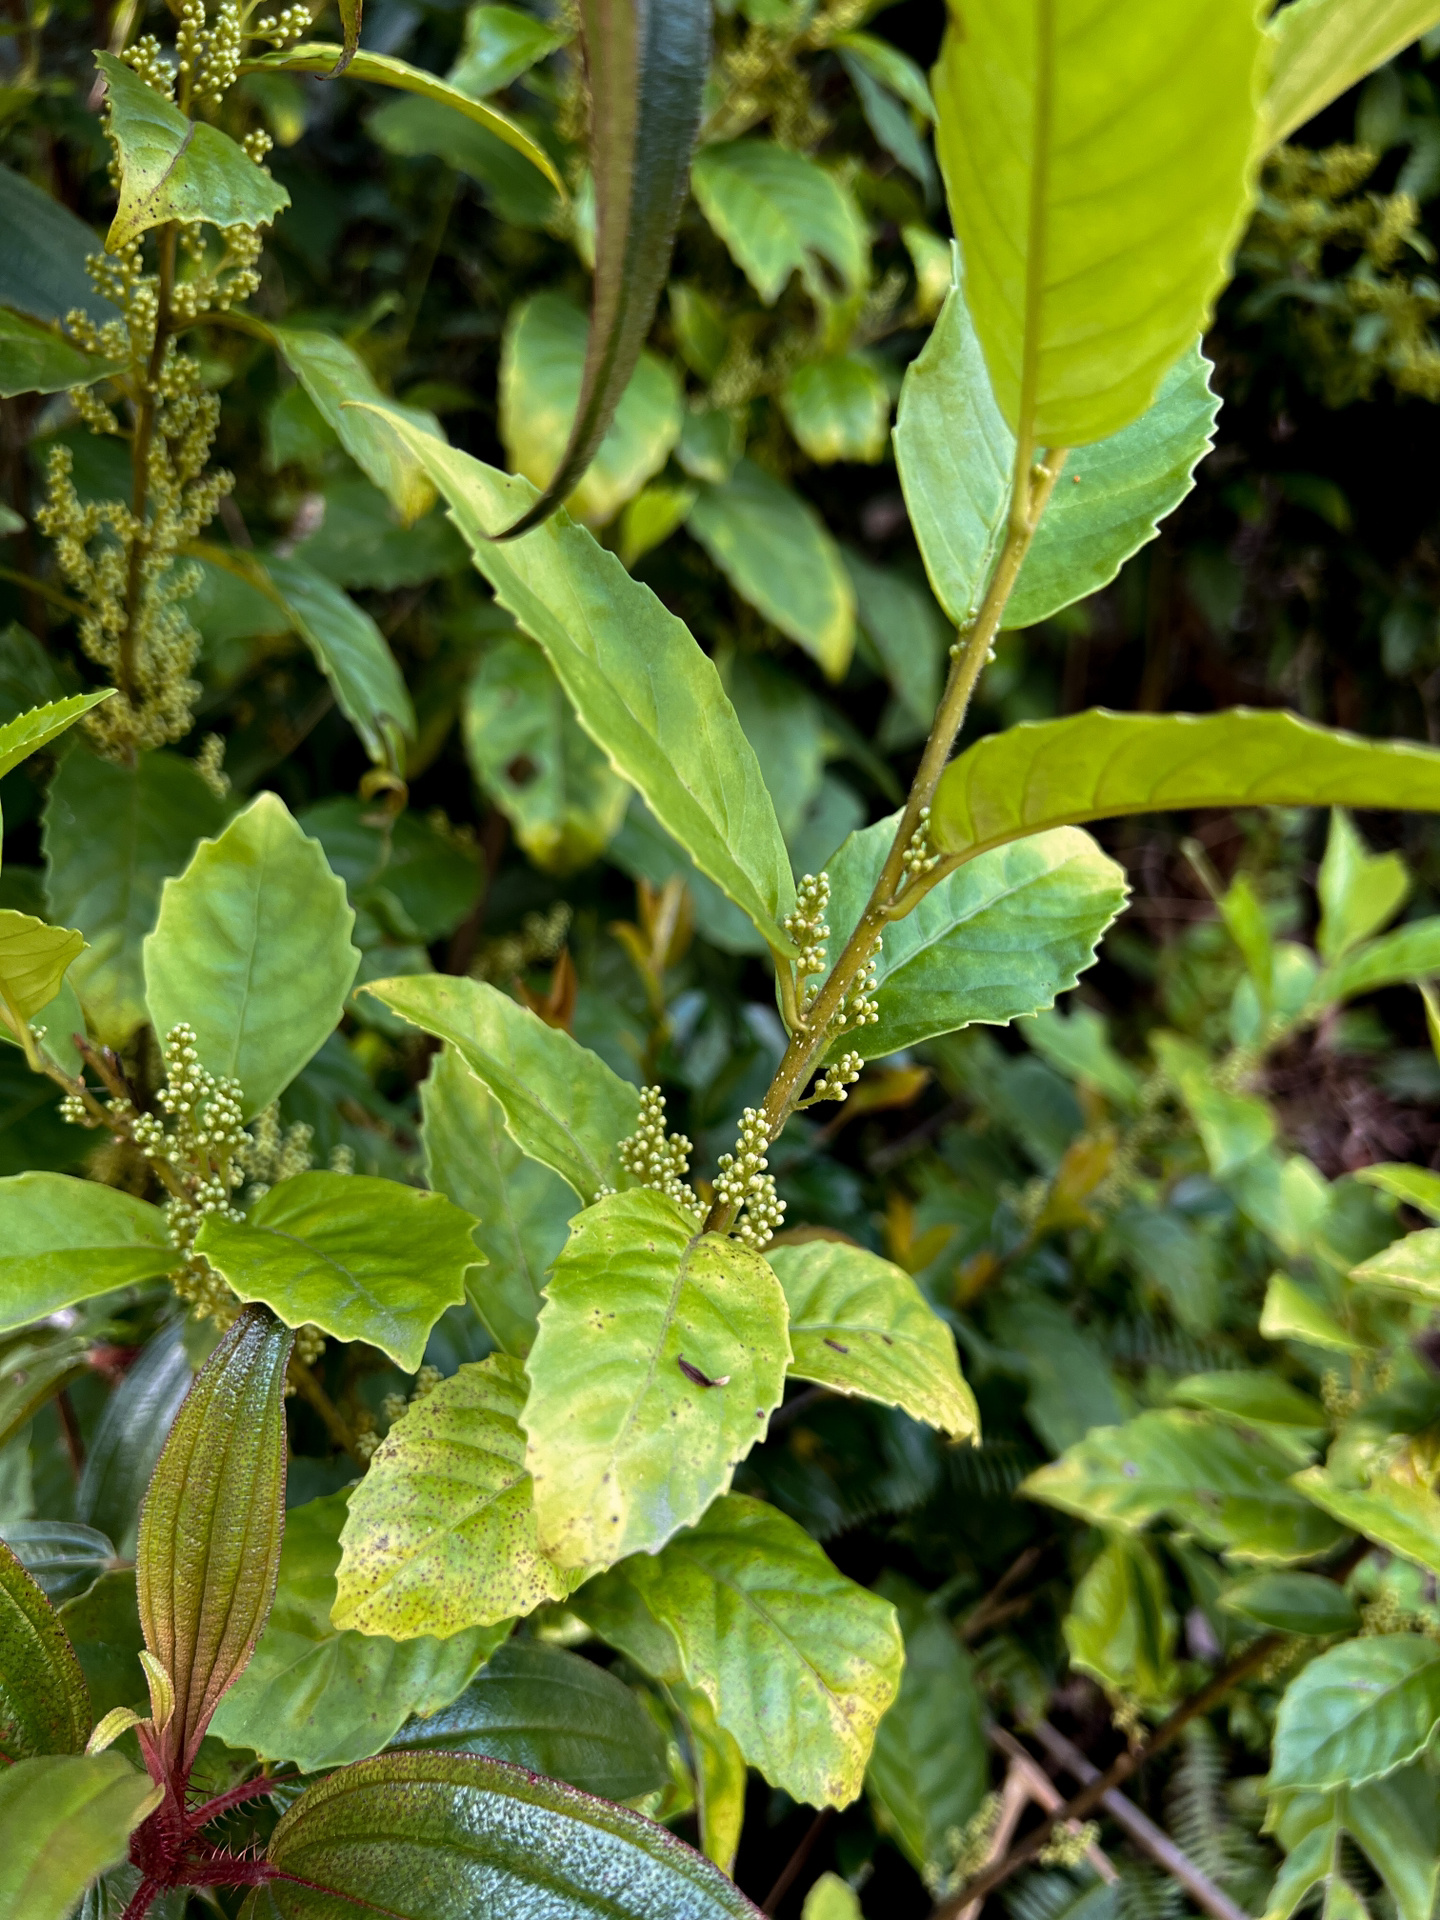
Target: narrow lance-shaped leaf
{"x":44,"y":1702}
{"x":211,"y":1527}
{"x":28,"y":732}
{"x":1322,"y":47}
{"x":647,"y":62}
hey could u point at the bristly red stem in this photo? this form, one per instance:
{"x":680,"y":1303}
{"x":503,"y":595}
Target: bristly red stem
{"x":223,"y":1802}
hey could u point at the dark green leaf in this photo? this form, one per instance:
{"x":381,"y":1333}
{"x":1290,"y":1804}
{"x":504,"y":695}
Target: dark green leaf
{"x":32,"y":1369}
{"x":104,"y":1628}
{"x":354,"y":657}
{"x":44,"y":1702}
{"x":65,"y":1240}
{"x":65,"y":1820}
{"x":777,"y":211}
{"x":42,"y":267}
{"x":62,"y":1557}
{"x":38,"y":359}
{"x":1360,"y":1710}
{"x":136,"y":1422}
{"x":1293,"y":1603}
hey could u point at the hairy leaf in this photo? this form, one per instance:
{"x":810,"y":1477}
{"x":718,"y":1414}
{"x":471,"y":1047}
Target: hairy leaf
{"x":252,"y":948}
{"x":660,"y":1355}
{"x":354,"y":657}
{"x":44,"y":1702}
{"x":441,"y":1531}
{"x":66,"y":1818}
{"x":1360,"y":1710}
{"x":1322,"y":47}
{"x":63,"y":1240}
{"x":212,"y":1523}
{"x":859,"y":1324}
{"x":35,"y":358}
{"x":359,"y":1258}
{"x":776,"y":211}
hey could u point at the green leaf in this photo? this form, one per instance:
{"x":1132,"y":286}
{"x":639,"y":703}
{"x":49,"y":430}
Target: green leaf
{"x":1233,"y":1127}
{"x":1120,"y":1627}
{"x":350,"y":15}
{"x":44,"y":1702}
{"x":532,"y":758}
{"x":900,"y":619}
{"x":995,"y":940}
{"x":211,"y":1527}
{"x":776,"y":552}
{"x":28,"y":732}
{"x":1417,"y":1186}
{"x":1411,"y":952}
{"x":112,"y":836}
{"x":441,"y":1531}
{"x":62,"y":1557}
{"x":421,"y":882}
{"x":363,"y":542}
{"x":831,"y":1898}
{"x":625,"y":1444}
{"x":1293,"y":1603}
{"x":1077,"y":1044}
{"x":1258,"y":1398}
{"x":787,"y":727}
{"x":1292,"y":1312}
{"x":1393,"y":1513}
{"x":1360,"y":892}
{"x":354,"y":657}
{"x":642,"y":688}
{"x":494,"y":1836}
{"x":132,"y":1430}
{"x":799,"y":1662}
{"x":1395,"y":1820}
{"x":860,"y":1325}
{"x":173,"y":168}
{"x":647,"y":69}
{"x":1410,"y":1267}
{"x":1357,"y":1712}
{"x":1230,"y":1486}
{"x":501,"y":43}
{"x":42,"y":270}
{"x":323,"y":1698}
{"x":542,"y":370}
{"x":1322,"y":47}
{"x":838,"y":409}
{"x":66,"y":1818}
{"x":33,"y":1369}
{"x":362,"y":1259}
{"x":542,"y":1708}
{"x":34,"y":960}
{"x":891,"y":68}
{"x":63,"y":1240}
{"x":35,"y":358}
{"x":522,"y":1206}
{"x":104,"y":1628}
{"x":1098,"y":765}
{"x":1099,"y":167}
{"x":515,"y":191}
{"x":777,"y":211}
{"x":563,"y":1106}
{"x":252,"y":948}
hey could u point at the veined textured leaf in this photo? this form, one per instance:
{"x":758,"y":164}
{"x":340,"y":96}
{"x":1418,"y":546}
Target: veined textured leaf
{"x":1393,"y":1513}
{"x":1322,"y":47}
{"x":495,"y":1837}
{"x":642,"y":688}
{"x":660,"y":1355}
{"x":35,"y":358}
{"x":522,"y":1206}
{"x":1395,"y":1820}
{"x":997,"y":939}
{"x":1096,"y":765}
{"x":1359,"y":1710}
{"x":28,"y":732}
{"x":563,"y":1106}
{"x":62,"y":1557}
{"x":173,"y":168}
{"x":211,"y":1526}
{"x":44,"y":1702}
{"x":647,"y":63}
{"x":1099,"y":164}
{"x":441,"y":1532}
{"x":66,"y":1818}
{"x":859,"y":1324}
{"x":252,"y":948}
{"x":540,"y":1707}
{"x":324,"y":1698}
{"x":353,"y":655}
{"x":1230,"y":1487}
{"x":362,"y":1259}
{"x":1411,"y":952}
{"x":34,"y":959}
{"x":775,"y":210}
{"x":63,"y":1240}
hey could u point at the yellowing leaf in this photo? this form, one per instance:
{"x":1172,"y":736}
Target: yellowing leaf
{"x":33,"y":963}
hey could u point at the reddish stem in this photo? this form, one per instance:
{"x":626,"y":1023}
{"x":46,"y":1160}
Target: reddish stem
{"x":141,"y":1901}
{"x":223,"y":1802}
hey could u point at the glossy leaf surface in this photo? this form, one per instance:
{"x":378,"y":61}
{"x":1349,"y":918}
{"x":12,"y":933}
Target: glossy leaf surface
{"x":62,"y":1557}
{"x":624,"y":1443}
{"x":63,"y":1240}
{"x":354,"y":657}
{"x":1293,"y":1603}
{"x":44,"y":1702}
{"x":1322,"y":47}
{"x":126,"y":1443}
{"x":1361,"y":1709}
{"x":66,"y":1818}
{"x":46,"y":246}
{"x":36,"y":359}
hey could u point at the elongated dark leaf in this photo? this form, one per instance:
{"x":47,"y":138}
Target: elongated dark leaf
{"x":210,"y":1530}
{"x":137,"y":1419}
{"x":44,"y":1702}
{"x":647,"y":61}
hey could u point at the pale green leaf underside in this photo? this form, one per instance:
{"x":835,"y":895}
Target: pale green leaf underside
{"x":860,"y":1325}
{"x":361,"y":1259}
{"x":1410,"y":1266}
{"x":1416,"y":1186}
{"x":35,"y":358}
{"x":63,"y":1240}
{"x":1360,"y":1710}
{"x":441,"y":1531}
{"x":33,"y":962}
{"x":563,"y":1106}
{"x":66,"y":1818}
{"x":1096,"y":765}
{"x":774,"y":208}
{"x":642,"y":688}
{"x":1322,"y":47}
{"x":625,"y":1447}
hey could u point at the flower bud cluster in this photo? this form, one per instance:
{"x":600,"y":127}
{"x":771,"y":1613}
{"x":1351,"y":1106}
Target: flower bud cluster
{"x":858,"y":1008}
{"x":832,"y":1084}
{"x":918,"y":858}
{"x":745,"y":1182}
{"x":806,"y":925}
{"x":152,"y":63}
{"x":655,"y":1160}
{"x":209,"y":53}
{"x":283,"y":29}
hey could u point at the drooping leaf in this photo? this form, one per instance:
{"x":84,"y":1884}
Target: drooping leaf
{"x":63,"y":1240}
{"x":521,"y":1205}
{"x":66,"y":1818}
{"x":1120,"y":1627}
{"x":859,"y":1324}
{"x":324,"y":1698}
{"x":354,"y":657}
{"x":62,"y":1557}
{"x":133,"y":1428}
{"x":777,"y":211}
{"x":641,"y":687}
{"x":647,"y":65}
{"x":493,"y":1835}
{"x":211,"y":1527}
{"x":720,"y":1774}
{"x":252,"y":948}
{"x":1293,"y":1603}
{"x":1099,"y":167}
{"x":563,"y":1106}
{"x":542,"y":370}
{"x":34,"y":959}
{"x":44,"y":1702}
{"x":362,"y":1259}
{"x":998,"y":939}
{"x":1418,"y":1187}
{"x":1097,"y":765}
{"x":174,"y":168}
{"x":1360,"y":892}
{"x":1395,"y":1514}
{"x":799,"y":1662}
{"x":112,"y":836}
{"x":838,"y":409}
{"x":1322,"y":47}
{"x":35,"y":358}
{"x":42,"y":270}
{"x":441,"y":1532}
{"x":28,"y":732}
{"x":778,"y":555}
{"x":1410,"y":1267}
{"x":540,"y":1707}
{"x":1358,"y":1711}
{"x":1231,"y":1487}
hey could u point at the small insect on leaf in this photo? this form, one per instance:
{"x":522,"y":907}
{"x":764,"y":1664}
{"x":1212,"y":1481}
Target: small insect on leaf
{"x":701,"y":1379}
